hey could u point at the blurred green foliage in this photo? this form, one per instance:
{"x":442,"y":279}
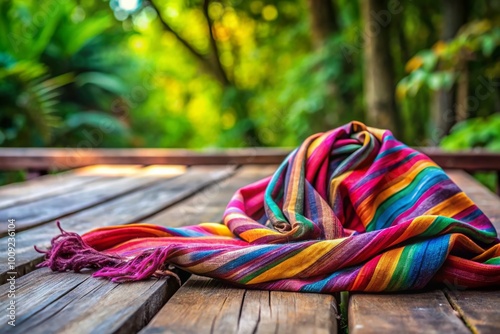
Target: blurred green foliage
{"x":59,"y":75}
{"x":476,"y":42}
{"x":108,"y":73}
{"x":483,"y":132}
{"x":479,"y":132}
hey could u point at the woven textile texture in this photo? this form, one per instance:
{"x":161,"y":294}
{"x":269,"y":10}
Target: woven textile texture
{"x":352,"y":209}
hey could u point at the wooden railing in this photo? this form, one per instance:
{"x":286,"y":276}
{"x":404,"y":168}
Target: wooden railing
{"x":44,"y":159}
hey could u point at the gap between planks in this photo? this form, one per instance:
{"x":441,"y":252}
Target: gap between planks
{"x":204,"y":305}
{"x":75,"y":303}
{"x":54,"y":184}
{"x":450,"y":310}
{"x":130,"y":208}
{"x":43,"y":210}
{"x":478,"y":308}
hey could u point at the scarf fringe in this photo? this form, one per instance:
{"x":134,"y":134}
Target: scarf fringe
{"x":68,"y":251}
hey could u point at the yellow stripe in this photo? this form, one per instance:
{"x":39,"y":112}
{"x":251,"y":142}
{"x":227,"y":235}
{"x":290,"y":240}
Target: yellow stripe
{"x":378,"y":133}
{"x":217,"y":229}
{"x":367,"y":210}
{"x":418,"y":226}
{"x":315,"y":143}
{"x":335,"y":183}
{"x":451,"y":206}
{"x":256,"y":233}
{"x":294,"y":265}
{"x":384,"y":270}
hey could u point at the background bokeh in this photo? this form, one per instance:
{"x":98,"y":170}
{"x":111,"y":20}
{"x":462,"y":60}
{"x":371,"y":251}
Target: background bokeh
{"x":234,"y":73}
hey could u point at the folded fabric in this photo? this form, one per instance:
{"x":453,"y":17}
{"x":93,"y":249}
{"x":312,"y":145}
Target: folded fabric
{"x":352,"y":209}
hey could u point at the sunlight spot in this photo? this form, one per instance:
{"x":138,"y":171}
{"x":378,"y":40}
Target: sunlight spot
{"x":120,"y":14}
{"x":269,"y":13}
{"x":137,"y":43}
{"x":78,"y":14}
{"x":171,"y":12}
{"x":230,"y":20}
{"x":215,"y":10}
{"x":228,"y":120}
{"x":129,"y":5}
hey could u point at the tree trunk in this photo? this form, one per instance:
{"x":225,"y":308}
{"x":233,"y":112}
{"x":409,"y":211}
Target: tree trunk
{"x":462,"y":93}
{"x":378,"y":71}
{"x":443,"y":108}
{"x":213,"y":66}
{"x":324,"y":25}
{"x":323,"y":21}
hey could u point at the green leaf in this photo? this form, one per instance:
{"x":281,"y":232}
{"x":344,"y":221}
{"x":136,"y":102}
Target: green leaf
{"x":78,"y":35}
{"x":417,"y":79}
{"x":441,"y":80}
{"x":42,"y":40}
{"x":488,"y":45}
{"x":105,"y":81}
{"x":4,"y":24}
{"x":49,"y":85}
{"x":96,"y":119}
{"x":429,"y":59}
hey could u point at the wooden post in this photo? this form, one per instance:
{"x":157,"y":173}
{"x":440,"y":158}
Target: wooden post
{"x":498,"y":183}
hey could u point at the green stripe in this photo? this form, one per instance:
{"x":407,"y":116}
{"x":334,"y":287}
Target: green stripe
{"x":397,"y":196}
{"x":248,"y":278}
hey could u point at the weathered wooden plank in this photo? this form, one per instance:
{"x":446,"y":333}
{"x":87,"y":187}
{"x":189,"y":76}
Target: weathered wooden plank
{"x":35,"y":213}
{"x":83,"y":305}
{"x":76,"y":303}
{"x":209,"y":204}
{"x":478,"y":308}
{"x":204,"y":305}
{"x":127,"y":209}
{"x":67,"y":158}
{"x":419,"y":312}
{"x":487,"y":201}
{"x":54,"y":184}
{"x":431,"y":311}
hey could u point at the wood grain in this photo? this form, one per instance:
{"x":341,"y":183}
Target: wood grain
{"x":53,"y":184}
{"x":419,"y":312}
{"x":75,"y":303}
{"x":479,"y":309}
{"x":487,"y":201}
{"x":67,"y":158}
{"x":43,"y":186}
{"x":47,"y":209}
{"x":130,"y":208}
{"x":208,"y":306}
{"x":208,"y":205}
{"x":204,"y":305}
{"x":431,"y":311}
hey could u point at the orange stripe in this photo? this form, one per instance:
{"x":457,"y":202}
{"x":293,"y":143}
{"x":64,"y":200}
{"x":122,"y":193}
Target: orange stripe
{"x":451,"y":206}
{"x":369,"y":206}
{"x":384,"y":270}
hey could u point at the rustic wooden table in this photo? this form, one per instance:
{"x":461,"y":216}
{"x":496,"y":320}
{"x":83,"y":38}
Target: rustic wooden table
{"x":176,"y":195}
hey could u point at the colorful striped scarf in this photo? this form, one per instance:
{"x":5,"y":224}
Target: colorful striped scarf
{"x":352,"y":209}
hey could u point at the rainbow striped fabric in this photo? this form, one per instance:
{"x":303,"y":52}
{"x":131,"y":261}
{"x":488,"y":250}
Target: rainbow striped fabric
{"x":352,"y":209}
